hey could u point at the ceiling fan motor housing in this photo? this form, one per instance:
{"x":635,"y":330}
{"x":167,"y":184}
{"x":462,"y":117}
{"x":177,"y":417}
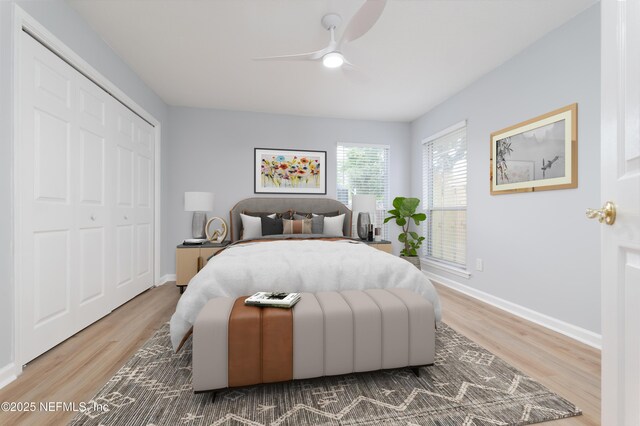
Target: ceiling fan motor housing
{"x":331,"y":20}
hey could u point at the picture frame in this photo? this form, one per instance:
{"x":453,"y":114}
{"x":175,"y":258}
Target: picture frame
{"x":289,"y":171}
{"x":536,"y":155}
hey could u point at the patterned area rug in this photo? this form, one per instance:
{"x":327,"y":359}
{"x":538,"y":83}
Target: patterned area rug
{"x":467,"y":386}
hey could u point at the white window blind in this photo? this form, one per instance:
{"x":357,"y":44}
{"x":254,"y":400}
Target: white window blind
{"x":364,"y":170}
{"x":444,"y":186}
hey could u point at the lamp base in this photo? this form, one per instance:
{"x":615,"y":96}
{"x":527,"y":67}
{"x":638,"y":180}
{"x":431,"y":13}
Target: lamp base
{"x":364,"y":220}
{"x":197,"y":224}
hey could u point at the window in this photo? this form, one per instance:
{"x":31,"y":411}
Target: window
{"x":444,"y":188}
{"x":364,"y":169}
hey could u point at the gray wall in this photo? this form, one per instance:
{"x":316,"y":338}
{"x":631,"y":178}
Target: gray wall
{"x":212,"y":150}
{"x":69,"y":27}
{"x":538,"y":249}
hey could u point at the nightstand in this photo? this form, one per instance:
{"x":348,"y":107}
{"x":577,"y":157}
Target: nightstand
{"x":383,"y":245}
{"x":190,"y":259}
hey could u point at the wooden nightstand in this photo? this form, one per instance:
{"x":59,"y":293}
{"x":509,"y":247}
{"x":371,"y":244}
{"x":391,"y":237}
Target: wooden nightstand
{"x":190,"y":259}
{"x":383,"y":245}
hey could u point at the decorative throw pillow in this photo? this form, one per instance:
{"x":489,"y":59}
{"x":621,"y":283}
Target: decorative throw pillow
{"x":271,"y":225}
{"x":296,"y":226}
{"x":251,"y":227}
{"x":333,"y":225}
{"x":317,"y":222}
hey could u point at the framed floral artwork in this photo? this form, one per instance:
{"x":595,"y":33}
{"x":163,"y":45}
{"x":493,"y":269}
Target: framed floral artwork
{"x":537,"y":154}
{"x":288,"y":171}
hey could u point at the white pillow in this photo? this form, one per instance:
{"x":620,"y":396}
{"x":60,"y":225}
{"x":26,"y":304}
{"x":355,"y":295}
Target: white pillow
{"x":251,"y":227}
{"x":333,"y":225}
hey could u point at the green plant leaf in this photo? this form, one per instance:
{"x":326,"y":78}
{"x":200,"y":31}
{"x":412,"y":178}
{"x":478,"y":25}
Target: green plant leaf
{"x":413,"y":252}
{"x":387,"y":219}
{"x":402,"y":237}
{"x":411,"y":204}
{"x":393,"y":212}
{"x":414,"y":235}
{"x":397,"y":202}
{"x":401,"y":221}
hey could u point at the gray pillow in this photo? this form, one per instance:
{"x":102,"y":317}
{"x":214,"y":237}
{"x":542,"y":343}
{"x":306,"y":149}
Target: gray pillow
{"x":317,"y":222}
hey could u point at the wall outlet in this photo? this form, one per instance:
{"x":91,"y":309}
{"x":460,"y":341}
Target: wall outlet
{"x":479,"y":265}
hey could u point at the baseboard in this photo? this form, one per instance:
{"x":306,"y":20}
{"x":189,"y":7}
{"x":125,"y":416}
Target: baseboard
{"x":165,"y":279}
{"x":8,"y":374}
{"x":577,"y":333}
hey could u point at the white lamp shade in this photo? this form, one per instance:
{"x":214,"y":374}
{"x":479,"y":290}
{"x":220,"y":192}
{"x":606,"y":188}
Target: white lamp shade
{"x":364,"y":204}
{"x":198,"y":201}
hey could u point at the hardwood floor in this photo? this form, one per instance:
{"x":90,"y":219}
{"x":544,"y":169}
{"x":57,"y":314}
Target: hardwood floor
{"x":569,"y":368}
{"x":77,"y":368}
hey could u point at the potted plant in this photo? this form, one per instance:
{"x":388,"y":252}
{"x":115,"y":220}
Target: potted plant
{"x":403,"y":212}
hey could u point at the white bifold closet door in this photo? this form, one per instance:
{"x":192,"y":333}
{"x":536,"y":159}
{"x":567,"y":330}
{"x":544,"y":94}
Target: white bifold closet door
{"x":85,"y":197}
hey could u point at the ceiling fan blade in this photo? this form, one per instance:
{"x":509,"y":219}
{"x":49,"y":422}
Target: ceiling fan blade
{"x":354,"y":74}
{"x":311,"y":56}
{"x":364,"y":19}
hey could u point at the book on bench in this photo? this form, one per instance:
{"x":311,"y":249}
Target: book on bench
{"x":273,"y":299}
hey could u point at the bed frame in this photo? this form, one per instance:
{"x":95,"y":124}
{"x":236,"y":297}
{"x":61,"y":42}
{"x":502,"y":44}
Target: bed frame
{"x":269,"y":204}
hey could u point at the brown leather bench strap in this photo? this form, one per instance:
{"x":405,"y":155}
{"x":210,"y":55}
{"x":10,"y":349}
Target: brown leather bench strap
{"x":260,"y":345}
{"x":277,"y":345}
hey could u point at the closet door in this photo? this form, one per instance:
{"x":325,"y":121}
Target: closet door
{"x":144,"y":200}
{"x":85,"y":201}
{"x":124,"y":208}
{"x":93,"y":295}
{"x":46,"y":199}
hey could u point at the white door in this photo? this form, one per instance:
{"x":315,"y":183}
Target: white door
{"x":45,"y":199}
{"x":621,"y":184}
{"x":133,"y":210}
{"x":85,"y":201}
{"x":93,"y":295}
{"x":144,"y":199}
{"x":124,"y":220}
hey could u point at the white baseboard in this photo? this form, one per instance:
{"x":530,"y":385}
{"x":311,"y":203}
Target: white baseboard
{"x":577,"y":333}
{"x":8,"y":374}
{"x":165,"y":279}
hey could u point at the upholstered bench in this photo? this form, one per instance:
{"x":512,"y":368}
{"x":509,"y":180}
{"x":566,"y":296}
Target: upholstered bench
{"x":324,"y":334}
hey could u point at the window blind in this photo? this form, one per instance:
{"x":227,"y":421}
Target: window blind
{"x":444,"y":186}
{"x":364,"y":170}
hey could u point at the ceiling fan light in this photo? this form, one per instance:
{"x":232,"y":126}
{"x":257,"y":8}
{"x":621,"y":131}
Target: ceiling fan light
{"x":333,"y":60}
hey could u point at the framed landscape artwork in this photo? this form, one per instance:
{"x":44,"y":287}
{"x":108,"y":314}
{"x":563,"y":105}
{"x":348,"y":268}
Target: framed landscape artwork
{"x":538,"y":154}
{"x":286,"y":171}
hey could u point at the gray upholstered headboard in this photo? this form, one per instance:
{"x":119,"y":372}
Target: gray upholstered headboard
{"x":264,"y":204}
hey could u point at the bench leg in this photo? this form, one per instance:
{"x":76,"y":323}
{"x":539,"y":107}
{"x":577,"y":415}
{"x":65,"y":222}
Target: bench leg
{"x":213,"y":394}
{"x":416,"y":369}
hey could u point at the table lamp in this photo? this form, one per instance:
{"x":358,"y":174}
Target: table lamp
{"x":199,"y":203}
{"x":364,"y":205}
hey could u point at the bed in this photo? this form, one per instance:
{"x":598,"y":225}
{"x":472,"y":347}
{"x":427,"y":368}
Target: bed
{"x":303,"y":262}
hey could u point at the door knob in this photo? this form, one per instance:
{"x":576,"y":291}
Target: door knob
{"x":93,"y":218}
{"x":606,"y":214}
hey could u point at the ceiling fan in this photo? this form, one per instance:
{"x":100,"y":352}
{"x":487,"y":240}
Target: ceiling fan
{"x":331,"y":56}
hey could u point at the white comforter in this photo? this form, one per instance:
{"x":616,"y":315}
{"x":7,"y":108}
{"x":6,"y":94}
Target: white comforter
{"x":295,"y":266}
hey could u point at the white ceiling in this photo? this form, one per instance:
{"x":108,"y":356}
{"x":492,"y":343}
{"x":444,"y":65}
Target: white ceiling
{"x":198,"y":53}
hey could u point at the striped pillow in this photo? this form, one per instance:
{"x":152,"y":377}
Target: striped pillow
{"x":296,"y":226}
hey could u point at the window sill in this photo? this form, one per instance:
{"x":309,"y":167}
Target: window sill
{"x":446,"y":268}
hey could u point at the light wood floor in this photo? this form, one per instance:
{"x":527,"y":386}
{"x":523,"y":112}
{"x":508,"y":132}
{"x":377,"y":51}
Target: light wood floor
{"x":77,"y":368}
{"x":569,"y":368}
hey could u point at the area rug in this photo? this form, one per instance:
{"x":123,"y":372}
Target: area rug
{"x":468,"y":385}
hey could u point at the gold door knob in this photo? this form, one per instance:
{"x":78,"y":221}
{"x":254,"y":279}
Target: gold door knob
{"x":606,"y":214}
